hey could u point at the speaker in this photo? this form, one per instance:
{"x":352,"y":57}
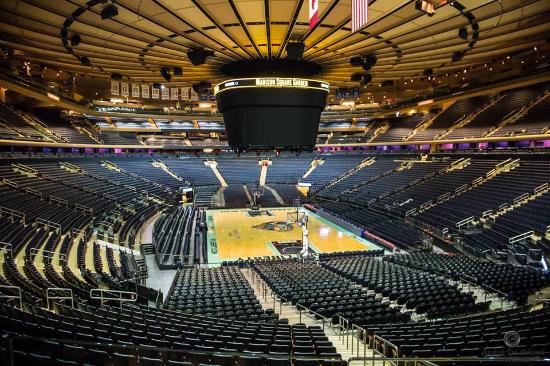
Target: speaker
{"x":166,"y":74}
{"x":428,"y":72}
{"x":178,"y":71}
{"x":116,"y":76}
{"x":356,"y":77}
{"x":156,"y":85}
{"x":201,"y":87}
{"x":85,"y":61}
{"x":295,"y":50}
{"x":75,"y":40}
{"x":387,"y":83}
{"x":463,"y":33}
{"x":367,"y":78}
{"x":198,"y":56}
{"x":457,"y":56}
{"x":110,"y":10}
{"x":356,"y":61}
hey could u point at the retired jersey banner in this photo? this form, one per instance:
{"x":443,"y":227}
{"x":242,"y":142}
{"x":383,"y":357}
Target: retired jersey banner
{"x":184,"y":93}
{"x":124,"y":89}
{"x":173,"y":93}
{"x":155,"y":93}
{"x":359,"y":12}
{"x":165,"y":93}
{"x":145,"y":90}
{"x":114,"y":87}
{"x":194,"y":95}
{"x":135,"y":90}
{"x":313,"y":13}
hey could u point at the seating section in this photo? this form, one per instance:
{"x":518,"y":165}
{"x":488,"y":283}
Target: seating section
{"x":174,"y":125}
{"x":400,"y":128}
{"x":288,"y":169}
{"x":422,"y":292}
{"x":517,"y":282}
{"x":489,"y":118}
{"x":239,"y":171}
{"x":193,"y":170}
{"x":14,"y":127}
{"x":217,"y":292}
{"x":235,"y":196}
{"x":333,"y":166}
{"x":501,"y":189}
{"x":446,"y":119}
{"x":123,"y":122}
{"x":172,"y":234}
{"x":325,"y":292}
{"x":468,"y":336}
{"x":535,"y":121}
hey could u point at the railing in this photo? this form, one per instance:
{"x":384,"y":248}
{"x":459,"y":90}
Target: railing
{"x":464,"y":222}
{"x":18,"y":296}
{"x":343,"y":327}
{"x":540,"y":188}
{"x":12,"y":213}
{"x":47,"y":254}
{"x":410,"y":212}
{"x":443,"y":197}
{"x":59,"y":297}
{"x":487,"y":213}
{"x":521,"y":198}
{"x":520,"y":237}
{"x":316,"y":316}
{"x":48,"y":223}
{"x":132,"y":296}
{"x":386,"y":346}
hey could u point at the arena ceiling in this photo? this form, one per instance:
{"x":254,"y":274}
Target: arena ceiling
{"x":148,"y":35}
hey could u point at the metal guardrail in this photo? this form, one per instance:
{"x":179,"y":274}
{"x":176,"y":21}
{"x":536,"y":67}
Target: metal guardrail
{"x":464,"y":222}
{"x":48,"y":223}
{"x":47,"y":254}
{"x":520,"y":237}
{"x":18,"y":296}
{"x":132,"y":296}
{"x":59,"y":297}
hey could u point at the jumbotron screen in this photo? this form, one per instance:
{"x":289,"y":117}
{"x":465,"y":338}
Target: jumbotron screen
{"x":271,"y":112}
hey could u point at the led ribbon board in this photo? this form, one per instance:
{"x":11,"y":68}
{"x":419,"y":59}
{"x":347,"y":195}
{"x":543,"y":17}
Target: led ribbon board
{"x":271,"y":83}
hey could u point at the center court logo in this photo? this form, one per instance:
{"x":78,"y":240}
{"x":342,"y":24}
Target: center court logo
{"x":512,"y":338}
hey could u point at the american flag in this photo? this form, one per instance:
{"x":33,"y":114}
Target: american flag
{"x":359,"y":12}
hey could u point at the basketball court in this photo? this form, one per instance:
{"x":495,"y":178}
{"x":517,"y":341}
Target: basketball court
{"x":242,"y":233}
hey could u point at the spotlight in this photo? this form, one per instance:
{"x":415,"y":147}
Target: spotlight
{"x":457,"y":56}
{"x":178,"y":71}
{"x":295,"y":50}
{"x":75,"y":40}
{"x":463,"y":33}
{"x":428,"y":72}
{"x":85,"y":61}
{"x":356,"y":61}
{"x":425,"y":6}
{"x":165,"y":74}
{"x":116,"y":76}
{"x":356,"y":77}
{"x":198,"y":56}
{"x":109,"y":10}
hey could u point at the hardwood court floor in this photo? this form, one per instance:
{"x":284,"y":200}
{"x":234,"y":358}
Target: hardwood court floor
{"x":236,"y":236}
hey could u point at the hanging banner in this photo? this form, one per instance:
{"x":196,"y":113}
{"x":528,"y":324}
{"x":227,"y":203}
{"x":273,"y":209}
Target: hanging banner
{"x":135,"y":90}
{"x":184,"y":93}
{"x":194,"y":95}
{"x":145,"y":90}
{"x":313,"y":13}
{"x":124,"y":91}
{"x":155,"y":93}
{"x":114,"y":87}
{"x":174,"y":94}
{"x":165,"y":93}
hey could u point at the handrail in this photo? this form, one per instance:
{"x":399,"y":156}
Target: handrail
{"x":60,"y":297}
{"x":48,"y":223}
{"x":132,"y":298}
{"x":464,"y":222}
{"x":48,"y":254}
{"x":18,"y":296}
{"x":520,"y":237}
{"x":8,"y":246}
{"x":540,"y":188}
{"x":384,"y":342}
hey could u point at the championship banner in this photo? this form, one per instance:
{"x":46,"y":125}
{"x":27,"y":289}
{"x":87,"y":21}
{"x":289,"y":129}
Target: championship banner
{"x":135,"y":90}
{"x":313,"y":13}
{"x":174,"y":94}
{"x":165,"y":93}
{"x":184,"y":93}
{"x":194,"y":95}
{"x":145,"y":90}
{"x":359,"y":13}
{"x":124,"y":91}
{"x":114,"y":87}
{"x":155,"y":93}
